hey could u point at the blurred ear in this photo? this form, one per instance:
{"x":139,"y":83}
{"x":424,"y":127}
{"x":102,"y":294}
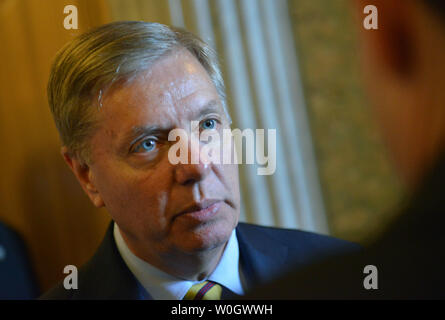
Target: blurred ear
{"x":84,"y":175}
{"x":392,"y":47}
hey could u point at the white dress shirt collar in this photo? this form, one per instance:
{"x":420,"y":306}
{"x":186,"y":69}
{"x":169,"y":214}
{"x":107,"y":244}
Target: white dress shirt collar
{"x":163,"y":286}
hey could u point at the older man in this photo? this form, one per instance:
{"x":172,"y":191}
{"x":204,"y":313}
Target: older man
{"x":116,"y":92}
{"x":404,"y":65}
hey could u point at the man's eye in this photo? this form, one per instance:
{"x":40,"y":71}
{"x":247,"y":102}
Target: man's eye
{"x":208,"y":124}
{"x":145,"y":146}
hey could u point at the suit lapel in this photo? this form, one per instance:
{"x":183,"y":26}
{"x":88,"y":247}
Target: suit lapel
{"x":106,"y":275}
{"x":261,"y":257}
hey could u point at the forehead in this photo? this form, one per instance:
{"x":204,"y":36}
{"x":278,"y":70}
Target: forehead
{"x":174,"y":88}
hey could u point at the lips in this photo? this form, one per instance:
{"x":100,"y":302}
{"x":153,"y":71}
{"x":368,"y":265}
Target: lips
{"x":203,"y":210}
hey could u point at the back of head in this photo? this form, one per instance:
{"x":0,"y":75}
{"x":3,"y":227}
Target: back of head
{"x":403,"y":67}
{"x":437,"y":6}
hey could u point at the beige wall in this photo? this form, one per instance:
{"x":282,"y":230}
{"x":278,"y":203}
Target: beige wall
{"x":358,"y":183}
{"x":39,"y":197}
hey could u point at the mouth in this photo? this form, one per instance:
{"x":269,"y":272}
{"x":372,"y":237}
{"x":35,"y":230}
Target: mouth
{"x":201,"y":211}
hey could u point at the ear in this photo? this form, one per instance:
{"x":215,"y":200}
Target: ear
{"x":392,"y":47}
{"x":84,"y":175}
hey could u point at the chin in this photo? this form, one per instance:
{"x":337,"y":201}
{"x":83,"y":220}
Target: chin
{"x":206,"y":237}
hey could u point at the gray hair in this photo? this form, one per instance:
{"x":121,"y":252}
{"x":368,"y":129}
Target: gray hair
{"x":91,"y":63}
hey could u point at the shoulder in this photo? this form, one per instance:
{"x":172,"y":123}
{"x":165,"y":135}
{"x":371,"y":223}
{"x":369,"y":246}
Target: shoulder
{"x":297,"y":240}
{"x":289,"y":236}
{"x":85,"y":277}
{"x":58,"y":292}
{"x":104,"y":276}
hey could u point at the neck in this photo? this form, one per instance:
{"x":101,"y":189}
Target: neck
{"x":193,"y":266}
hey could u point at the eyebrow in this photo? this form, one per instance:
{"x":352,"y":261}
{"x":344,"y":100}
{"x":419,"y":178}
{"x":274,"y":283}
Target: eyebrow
{"x":137,"y":132}
{"x":210,"y":107}
{"x":214,"y":106}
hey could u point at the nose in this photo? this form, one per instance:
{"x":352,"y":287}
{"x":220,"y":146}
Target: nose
{"x":191,"y":173}
{"x":195,"y":169}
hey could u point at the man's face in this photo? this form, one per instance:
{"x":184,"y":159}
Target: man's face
{"x":143,"y":192}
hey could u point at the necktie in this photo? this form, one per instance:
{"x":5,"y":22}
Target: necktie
{"x":207,"y":290}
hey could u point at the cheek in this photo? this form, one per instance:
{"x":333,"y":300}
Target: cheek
{"x":228,"y":176}
{"x":232,"y":173}
{"x":137,"y":201}
{"x":228,"y":173}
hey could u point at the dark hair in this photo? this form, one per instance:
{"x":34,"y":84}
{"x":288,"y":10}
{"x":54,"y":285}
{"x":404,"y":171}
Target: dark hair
{"x":438,"y":6}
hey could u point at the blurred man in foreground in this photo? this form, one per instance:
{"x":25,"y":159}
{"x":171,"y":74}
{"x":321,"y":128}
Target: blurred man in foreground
{"x":404,"y":68}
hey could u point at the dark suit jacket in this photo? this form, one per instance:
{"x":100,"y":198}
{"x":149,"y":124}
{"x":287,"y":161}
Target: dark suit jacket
{"x":410,"y":257}
{"x":17,"y":277}
{"x":264,"y":252}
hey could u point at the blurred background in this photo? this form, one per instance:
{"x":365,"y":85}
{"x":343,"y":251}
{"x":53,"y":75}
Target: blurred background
{"x":289,"y":65}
